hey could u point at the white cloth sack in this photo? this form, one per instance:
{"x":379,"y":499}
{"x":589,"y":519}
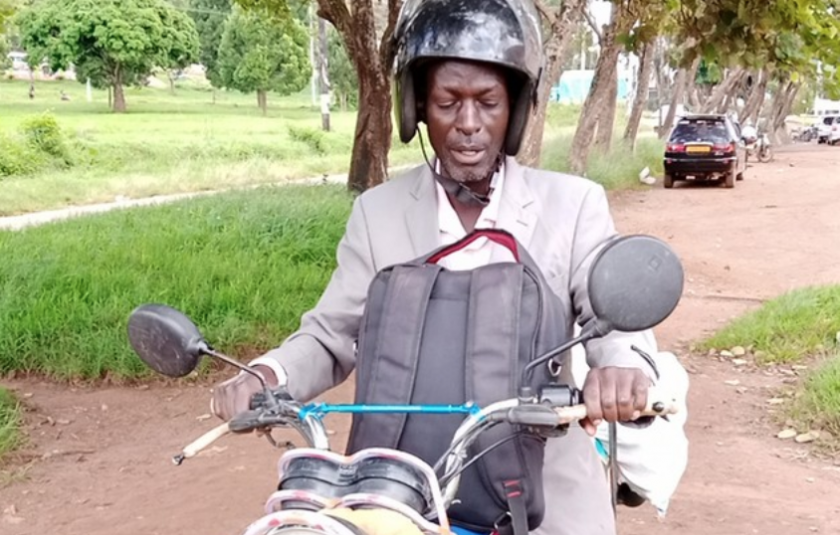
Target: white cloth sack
{"x":651,"y":460}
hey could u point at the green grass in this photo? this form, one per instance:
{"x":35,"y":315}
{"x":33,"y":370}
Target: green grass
{"x":818,"y":406}
{"x":803,"y":324}
{"x":618,"y":168}
{"x":794,"y":326}
{"x":244,"y":266}
{"x":10,"y":422}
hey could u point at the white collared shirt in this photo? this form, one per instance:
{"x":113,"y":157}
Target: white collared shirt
{"x":479,"y":252}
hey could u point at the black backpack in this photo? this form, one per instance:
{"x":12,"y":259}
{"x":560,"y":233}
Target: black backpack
{"x":435,"y":336}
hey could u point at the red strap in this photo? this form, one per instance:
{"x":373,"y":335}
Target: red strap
{"x":502,"y":238}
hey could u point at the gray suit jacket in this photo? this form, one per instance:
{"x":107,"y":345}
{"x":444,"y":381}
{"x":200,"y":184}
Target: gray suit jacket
{"x":561,"y":220}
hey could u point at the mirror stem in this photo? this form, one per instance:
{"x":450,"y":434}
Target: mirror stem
{"x":237,"y":364}
{"x":599,"y":328}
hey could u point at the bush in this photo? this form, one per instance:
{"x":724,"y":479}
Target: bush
{"x":43,"y":132}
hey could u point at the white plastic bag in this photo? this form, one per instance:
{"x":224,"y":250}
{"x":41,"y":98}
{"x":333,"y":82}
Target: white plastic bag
{"x":651,"y":460}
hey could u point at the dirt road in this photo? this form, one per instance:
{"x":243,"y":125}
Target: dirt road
{"x":108,"y":469}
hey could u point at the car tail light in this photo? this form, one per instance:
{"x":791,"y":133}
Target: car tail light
{"x":725,"y":148}
{"x":675,"y":147}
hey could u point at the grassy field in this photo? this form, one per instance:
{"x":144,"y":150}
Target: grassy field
{"x":183,"y":141}
{"x":801,"y":326}
{"x":169,"y":143}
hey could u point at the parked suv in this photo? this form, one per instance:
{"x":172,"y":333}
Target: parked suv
{"x":705,"y":147}
{"x":825,"y":126}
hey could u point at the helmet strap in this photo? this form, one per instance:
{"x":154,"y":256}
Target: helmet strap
{"x":462,"y":193}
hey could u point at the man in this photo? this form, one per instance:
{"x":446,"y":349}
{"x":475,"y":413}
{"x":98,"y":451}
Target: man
{"x":469,"y":70}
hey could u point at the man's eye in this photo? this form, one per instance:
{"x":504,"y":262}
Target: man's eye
{"x":445,"y":105}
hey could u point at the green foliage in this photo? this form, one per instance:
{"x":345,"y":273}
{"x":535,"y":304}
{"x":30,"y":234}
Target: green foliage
{"x":209,"y":17}
{"x":244,"y":266}
{"x":342,"y":72}
{"x":261,"y":54}
{"x":113,"y":42}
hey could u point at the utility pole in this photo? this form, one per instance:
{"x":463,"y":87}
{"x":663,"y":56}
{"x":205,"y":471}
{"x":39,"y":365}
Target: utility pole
{"x":313,"y":80}
{"x":323,"y":74}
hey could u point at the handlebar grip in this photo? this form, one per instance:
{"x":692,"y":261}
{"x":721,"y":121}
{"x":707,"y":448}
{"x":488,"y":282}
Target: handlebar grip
{"x":202,"y":442}
{"x":531,"y":415}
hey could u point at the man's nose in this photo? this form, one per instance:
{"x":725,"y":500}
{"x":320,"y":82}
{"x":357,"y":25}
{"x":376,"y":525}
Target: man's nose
{"x":468,"y":119}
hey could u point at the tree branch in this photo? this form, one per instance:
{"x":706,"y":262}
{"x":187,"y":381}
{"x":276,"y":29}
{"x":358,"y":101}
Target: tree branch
{"x":546,"y":13}
{"x":593,"y":24}
{"x":336,"y":13}
{"x":387,"y":47}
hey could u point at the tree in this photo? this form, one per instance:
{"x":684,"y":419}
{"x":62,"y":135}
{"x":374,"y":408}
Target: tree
{"x":112,"y":42}
{"x":559,"y":21}
{"x":263,"y":54}
{"x":209,"y":17}
{"x":366,"y":28}
{"x":343,"y":78}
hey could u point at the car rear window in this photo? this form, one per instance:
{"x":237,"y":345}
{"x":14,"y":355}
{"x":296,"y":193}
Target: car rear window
{"x":828,"y":121}
{"x":703,"y":130}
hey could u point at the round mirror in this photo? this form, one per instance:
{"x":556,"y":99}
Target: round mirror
{"x":635,"y":283}
{"x":165,"y":339}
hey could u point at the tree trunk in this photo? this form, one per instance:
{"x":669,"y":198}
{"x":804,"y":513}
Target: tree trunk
{"x":119,"y":95}
{"x":343,"y":98}
{"x":730,"y":80}
{"x":676,"y":100}
{"x":691,"y":85}
{"x":641,"y":96}
{"x":756,"y":99}
{"x":598,"y":94}
{"x":372,"y":141}
{"x":262,"y":100}
{"x":559,"y":37}
{"x":782,"y":104}
{"x":606,"y":119}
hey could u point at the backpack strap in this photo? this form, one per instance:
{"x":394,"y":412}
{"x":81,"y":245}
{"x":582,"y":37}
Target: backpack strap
{"x":501,"y":237}
{"x":396,"y":349}
{"x":516,"y":521}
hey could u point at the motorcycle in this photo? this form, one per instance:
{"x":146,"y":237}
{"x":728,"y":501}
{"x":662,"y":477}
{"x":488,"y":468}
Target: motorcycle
{"x":635,"y":283}
{"x":759,"y":146}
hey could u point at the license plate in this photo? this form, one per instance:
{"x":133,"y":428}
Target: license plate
{"x":701,"y":149}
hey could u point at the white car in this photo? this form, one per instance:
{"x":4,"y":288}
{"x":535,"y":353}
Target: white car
{"x":828,"y":129}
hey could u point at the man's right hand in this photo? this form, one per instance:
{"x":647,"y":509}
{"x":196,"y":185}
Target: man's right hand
{"x":233,"y":396}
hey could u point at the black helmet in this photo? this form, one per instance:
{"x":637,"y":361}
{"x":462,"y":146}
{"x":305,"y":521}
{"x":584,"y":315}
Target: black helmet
{"x":502,"y":32}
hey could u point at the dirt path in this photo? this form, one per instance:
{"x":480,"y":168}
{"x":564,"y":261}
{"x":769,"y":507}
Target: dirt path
{"x":109,"y":469}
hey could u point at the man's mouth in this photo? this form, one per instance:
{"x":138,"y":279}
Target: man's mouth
{"x":468,"y":155}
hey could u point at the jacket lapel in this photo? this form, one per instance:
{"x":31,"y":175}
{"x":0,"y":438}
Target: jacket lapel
{"x":517,"y":212}
{"x":421,"y":216}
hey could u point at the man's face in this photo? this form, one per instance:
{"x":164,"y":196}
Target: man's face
{"x":467,"y":112}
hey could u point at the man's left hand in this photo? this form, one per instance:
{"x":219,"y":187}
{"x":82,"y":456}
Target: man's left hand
{"x":615,"y":395}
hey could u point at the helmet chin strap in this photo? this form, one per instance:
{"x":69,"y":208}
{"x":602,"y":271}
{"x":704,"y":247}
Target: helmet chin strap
{"x":459,"y":190}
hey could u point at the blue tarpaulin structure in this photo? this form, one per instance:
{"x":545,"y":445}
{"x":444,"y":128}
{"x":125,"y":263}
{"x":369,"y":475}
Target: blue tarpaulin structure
{"x":574,"y":86}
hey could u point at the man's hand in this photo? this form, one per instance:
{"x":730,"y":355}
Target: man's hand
{"x":615,"y":395}
{"x":234,"y":395}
